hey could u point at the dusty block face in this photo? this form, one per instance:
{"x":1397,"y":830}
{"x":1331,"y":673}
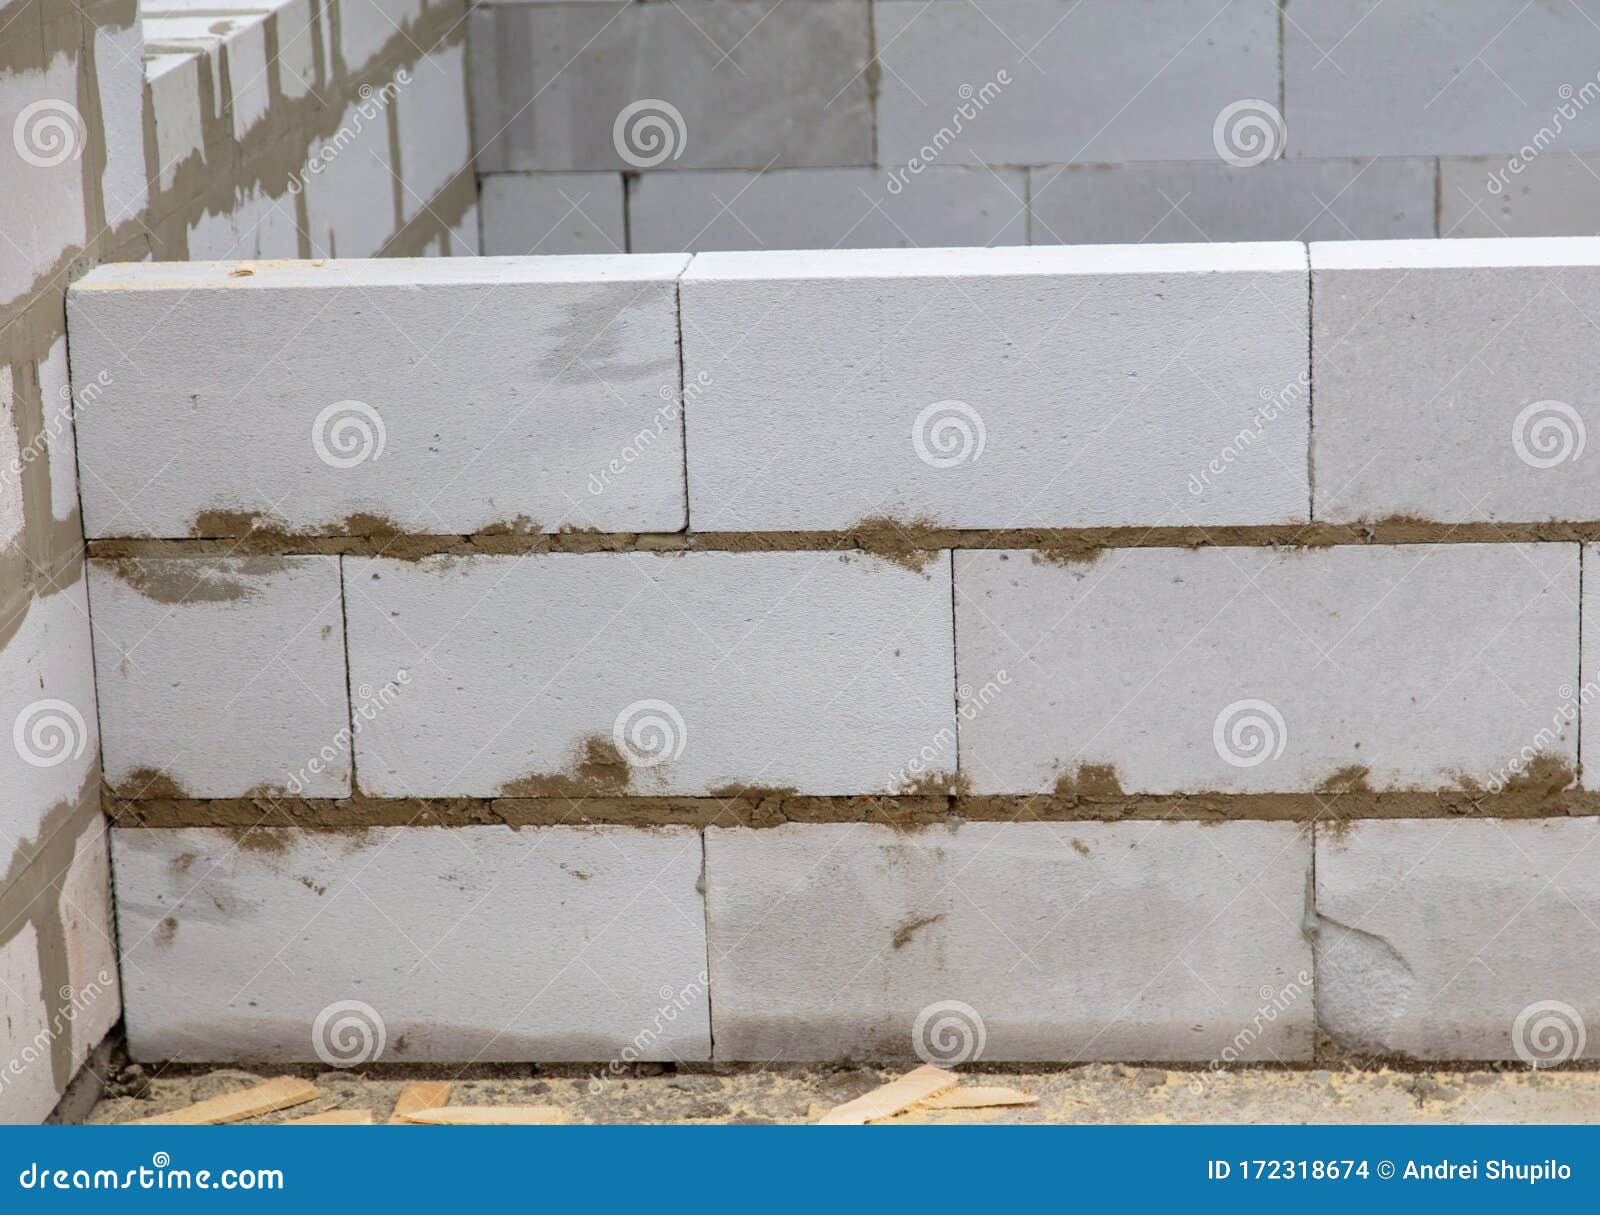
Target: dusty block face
{"x":1480,"y":346}
{"x":1464,"y":940}
{"x":1471,"y":76}
{"x":1214,"y":200}
{"x":997,"y":387}
{"x":352,"y":198}
{"x":435,"y":140}
{"x":703,"y":84}
{"x":172,"y":85}
{"x":640,"y":674}
{"x":27,"y":1085}
{"x":48,"y":732}
{"x":553,"y":213}
{"x":1250,"y":670}
{"x":219,"y":676}
{"x":1496,"y":196}
{"x":1071,"y":941}
{"x":477,"y":943}
{"x":548,"y":373}
{"x":828,"y":209}
{"x":365,"y":26}
{"x":1031,"y":81}
{"x":91,"y":944}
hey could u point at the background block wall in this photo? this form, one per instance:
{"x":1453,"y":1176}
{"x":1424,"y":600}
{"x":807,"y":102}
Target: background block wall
{"x":1076,"y":121}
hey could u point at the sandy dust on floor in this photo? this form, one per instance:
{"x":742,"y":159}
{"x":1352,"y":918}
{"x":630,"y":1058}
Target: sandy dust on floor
{"x":712,"y":1094}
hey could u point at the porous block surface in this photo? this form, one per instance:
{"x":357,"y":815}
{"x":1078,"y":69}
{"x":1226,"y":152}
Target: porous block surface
{"x":468,"y":944}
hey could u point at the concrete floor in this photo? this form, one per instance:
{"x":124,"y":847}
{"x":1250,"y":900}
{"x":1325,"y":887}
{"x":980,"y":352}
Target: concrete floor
{"x":1092,"y":1093}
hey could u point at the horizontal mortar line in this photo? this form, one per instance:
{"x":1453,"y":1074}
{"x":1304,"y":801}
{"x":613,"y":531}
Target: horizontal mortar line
{"x":913,"y":812}
{"x":886,"y":538}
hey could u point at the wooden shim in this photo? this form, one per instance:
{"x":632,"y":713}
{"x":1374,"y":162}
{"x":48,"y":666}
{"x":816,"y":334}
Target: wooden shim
{"x":926,"y":1081}
{"x":334,"y":1118}
{"x":491,"y":1115}
{"x":976,"y":1097}
{"x":276,"y":1094}
{"x":424,"y":1095}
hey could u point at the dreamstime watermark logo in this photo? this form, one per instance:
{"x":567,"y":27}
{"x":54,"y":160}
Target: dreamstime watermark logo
{"x":1573,"y":102}
{"x":649,"y":131}
{"x":949,"y":433}
{"x":641,"y":1047}
{"x":48,"y":733}
{"x":1547,"y":740}
{"x":665,"y":419}
{"x":57,"y":424}
{"x":373,"y":103}
{"x":73,"y":1002}
{"x":1548,"y":1033}
{"x":971,"y":703}
{"x":1249,"y":132}
{"x":1274,"y":405}
{"x":1249,"y":732}
{"x":366,"y":708}
{"x":348,"y":1033}
{"x":973,"y":101}
{"x":1547,"y":433}
{"x":48,"y":132}
{"x":948,"y":1033}
{"x":348,"y":433}
{"x":649,"y":732}
{"x":1274,"y":1003}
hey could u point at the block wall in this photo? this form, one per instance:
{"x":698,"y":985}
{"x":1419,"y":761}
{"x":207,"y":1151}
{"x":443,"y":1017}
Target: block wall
{"x":1163,"y":652}
{"x":186,"y":130}
{"x":754,"y":124}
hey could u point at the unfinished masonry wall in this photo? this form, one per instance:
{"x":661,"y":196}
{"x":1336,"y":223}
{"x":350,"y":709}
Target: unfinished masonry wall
{"x":1169,"y":653}
{"x":749,"y":124}
{"x":215,"y":129}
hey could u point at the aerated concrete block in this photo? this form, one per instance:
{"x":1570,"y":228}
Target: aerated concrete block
{"x":91,"y":944}
{"x":1252,"y":670}
{"x":1059,"y":387}
{"x":1043,"y":81}
{"x":118,"y":57}
{"x":1554,"y":195}
{"x":426,"y":944}
{"x":1459,"y":940}
{"x":828,"y":209}
{"x":1453,"y":379}
{"x":1589,"y":685}
{"x":49,"y":740}
{"x":353,"y":197}
{"x":1368,"y":78}
{"x":828,"y":673}
{"x":552,"y":213}
{"x":221,"y":676}
{"x":365,"y":26}
{"x":27,"y":1085}
{"x":240,"y":39}
{"x":172,"y":83}
{"x":1213,"y":201}
{"x":699,"y":84}
{"x":1006,"y":941}
{"x":439,"y":395}
{"x":435,"y":140}
{"x":44,"y":178}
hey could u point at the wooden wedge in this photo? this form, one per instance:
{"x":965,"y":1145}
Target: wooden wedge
{"x":424,"y":1095}
{"x":926,"y":1081}
{"x":490,"y":1115}
{"x":276,"y":1094}
{"x":334,"y":1118}
{"x":977,"y":1097}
